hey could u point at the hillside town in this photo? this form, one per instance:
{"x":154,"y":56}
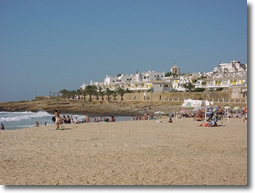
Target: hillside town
{"x":224,"y":76}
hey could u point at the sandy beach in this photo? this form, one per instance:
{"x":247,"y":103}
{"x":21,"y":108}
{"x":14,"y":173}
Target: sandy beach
{"x":126,"y":153}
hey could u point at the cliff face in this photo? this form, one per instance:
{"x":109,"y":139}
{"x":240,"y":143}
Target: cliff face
{"x":96,"y":107}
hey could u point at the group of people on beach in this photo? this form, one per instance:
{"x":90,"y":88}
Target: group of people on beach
{"x":212,"y":115}
{"x":69,"y":119}
{"x":146,"y":116}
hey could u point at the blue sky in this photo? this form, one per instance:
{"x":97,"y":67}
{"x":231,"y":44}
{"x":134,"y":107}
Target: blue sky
{"x":49,"y":45}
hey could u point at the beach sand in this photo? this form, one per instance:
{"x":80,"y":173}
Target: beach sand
{"x":126,"y":153}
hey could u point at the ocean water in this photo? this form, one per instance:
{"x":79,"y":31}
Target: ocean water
{"x":19,"y":120}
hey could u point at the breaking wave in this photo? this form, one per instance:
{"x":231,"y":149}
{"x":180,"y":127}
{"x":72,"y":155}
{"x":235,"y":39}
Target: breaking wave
{"x":18,"y":116}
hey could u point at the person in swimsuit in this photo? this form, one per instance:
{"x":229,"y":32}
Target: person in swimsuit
{"x":57,"y":119}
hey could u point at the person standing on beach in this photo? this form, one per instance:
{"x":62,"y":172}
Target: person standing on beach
{"x":2,"y":126}
{"x":170,"y":119}
{"x":57,"y":119}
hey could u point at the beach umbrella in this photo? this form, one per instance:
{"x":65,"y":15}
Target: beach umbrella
{"x":237,"y":108}
{"x":159,"y":113}
{"x":227,"y":107}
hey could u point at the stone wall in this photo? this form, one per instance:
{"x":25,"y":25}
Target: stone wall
{"x":175,"y":96}
{"x":237,"y":93}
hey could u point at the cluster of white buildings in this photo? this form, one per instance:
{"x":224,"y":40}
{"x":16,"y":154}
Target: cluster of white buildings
{"x":225,"y":75}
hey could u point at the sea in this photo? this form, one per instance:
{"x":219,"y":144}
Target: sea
{"x":26,"y":119}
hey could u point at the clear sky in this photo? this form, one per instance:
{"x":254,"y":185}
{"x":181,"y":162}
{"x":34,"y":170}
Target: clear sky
{"x":50,"y":45}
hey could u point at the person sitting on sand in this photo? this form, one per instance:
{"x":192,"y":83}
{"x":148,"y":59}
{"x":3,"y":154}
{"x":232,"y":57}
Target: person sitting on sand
{"x":112,"y":119}
{"x":68,"y":121}
{"x":64,"y":119}
{"x":213,"y":123}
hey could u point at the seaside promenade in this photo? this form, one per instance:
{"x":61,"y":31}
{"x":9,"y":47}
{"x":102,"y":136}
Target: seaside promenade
{"x":126,"y":153}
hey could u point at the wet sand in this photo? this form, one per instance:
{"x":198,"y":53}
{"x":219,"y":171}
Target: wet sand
{"x":126,"y":153}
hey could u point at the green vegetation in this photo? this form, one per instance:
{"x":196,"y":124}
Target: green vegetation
{"x":120,"y":91}
{"x":199,"y":90}
{"x":189,"y":86}
{"x":108,"y":94}
{"x":168,"y":74}
{"x":219,"y":89}
{"x":91,"y":90}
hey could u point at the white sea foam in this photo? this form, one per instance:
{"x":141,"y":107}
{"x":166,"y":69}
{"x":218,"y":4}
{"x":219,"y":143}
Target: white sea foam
{"x":18,"y":116}
{"x":24,"y":126}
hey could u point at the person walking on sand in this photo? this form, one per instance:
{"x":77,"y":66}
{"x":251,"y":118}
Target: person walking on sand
{"x":57,"y":119}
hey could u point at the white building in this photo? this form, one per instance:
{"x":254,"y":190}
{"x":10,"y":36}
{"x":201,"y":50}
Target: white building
{"x":118,"y":79}
{"x":225,"y":75}
{"x":139,"y":77}
{"x":232,"y":67}
{"x":150,"y":76}
{"x":83,"y":86}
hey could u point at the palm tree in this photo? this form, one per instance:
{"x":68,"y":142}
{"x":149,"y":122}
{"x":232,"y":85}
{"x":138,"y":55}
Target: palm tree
{"x":108,"y":93}
{"x":73,"y":93}
{"x":91,"y":90}
{"x":84,"y":93}
{"x":96,"y":93}
{"x":64,"y":93}
{"x":114,"y":94}
{"x":101,"y":92}
{"x":79,"y":93}
{"x":121,"y":92}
